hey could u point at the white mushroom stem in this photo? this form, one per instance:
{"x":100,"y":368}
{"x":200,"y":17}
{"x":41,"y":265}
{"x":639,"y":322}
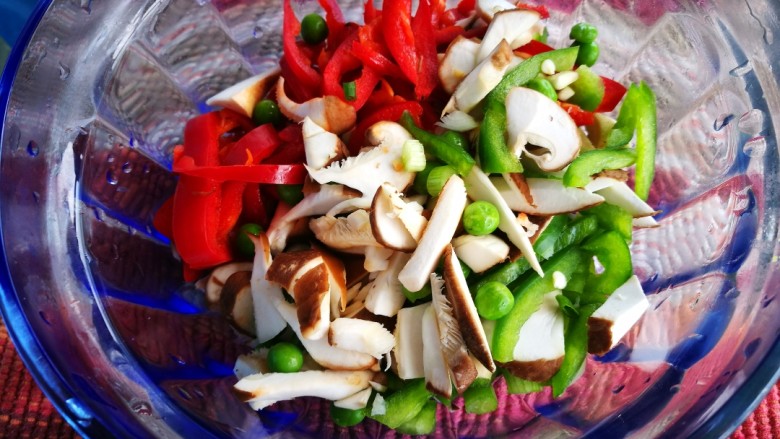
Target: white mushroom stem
{"x":439,"y":232}
{"x":488,"y":8}
{"x":484,"y":78}
{"x":322,"y":352}
{"x":361,"y":336}
{"x":243,"y":96}
{"x":437,"y":375}
{"x":550,"y":196}
{"x":458,"y":61}
{"x":329,"y":112}
{"x":356,"y":401}
{"x":409,"y":343}
{"x":541,"y":129}
{"x":458,"y":121}
{"x":539,"y":351}
{"x":385,"y":296}
{"x":515,"y":26}
{"x":268,"y":322}
{"x":327,"y":384}
{"x":480,"y":252}
{"x":619,"y":313}
{"x":480,"y":188}
{"x":321,"y":147}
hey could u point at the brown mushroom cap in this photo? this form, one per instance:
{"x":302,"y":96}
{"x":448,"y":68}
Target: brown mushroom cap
{"x":538,"y":370}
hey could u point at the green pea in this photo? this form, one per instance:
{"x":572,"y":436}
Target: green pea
{"x":437,"y":178}
{"x":544,"y":87}
{"x":584,"y":33}
{"x":346,"y":417}
{"x":285,"y":357}
{"x":414,"y":296}
{"x":243,"y":245}
{"x":588,"y":54}
{"x":480,"y":218}
{"x":291,"y":194}
{"x":266,"y":111}
{"x":494,"y":300}
{"x":456,"y":138}
{"x":314,"y":30}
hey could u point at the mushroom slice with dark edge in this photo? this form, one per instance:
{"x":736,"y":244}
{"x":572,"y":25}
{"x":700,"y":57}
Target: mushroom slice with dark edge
{"x":337,"y":279}
{"x":216,"y":280}
{"x":453,"y":346}
{"x":550,"y":197}
{"x":361,"y":336}
{"x":437,"y":374}
{"x":458,"y":61}
{"x":243,"y":96}
{"x":268,"y":322}
{"x":488,"y":8}
{"x":252,"y":363}
{"x":465,"y":311}
{"x":612,"y":320}
{"x":516,"y":26}
{"x":305,"y":276}
{"x":438,"y":234}
{"x":645,"y":222}
{"x":322,"y":352}
{"x":314,"y":203}
{"x":322,"y":147}
{"x":481,"y":189}
{"x":385,"y":296}
{"x":480,"y":81}
{"x":539,"y":351}
{"x":327,"y":384}
{"x":541,"y":129}
{"x":373,"y":166}
{"x":387,"y":227}
{"x":329,"y":112}
{"x":409,"y":343}
{"x":480,"y":252}
{"x":236,"y":301}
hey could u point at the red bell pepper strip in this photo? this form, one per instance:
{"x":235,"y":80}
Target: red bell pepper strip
{"x":425,"y":44}
{"x":230,"y":206}
{"x":254,"y":206}
{"x":299,"y":64}
{"x":613,"y":94}
{"x":292,"y":151}
{"x":375,"y":60}
{"x":465,"y":7}
{"x":392,"y":112}
{"x":342,"y":62}
{"x":580,"y":116}
{"x":296,"y":90}
{"x":253,"y":147}
{"x":369,"y":11}
{"x":397,"y":30}
{"x":534,"y":48}
{"x":541,"y":9}
{"x":163,"y":219}
{"x":197,"y":201}
{"x":446,"y":34}
{"x":264,"y":173}
{"x":335,"y":20}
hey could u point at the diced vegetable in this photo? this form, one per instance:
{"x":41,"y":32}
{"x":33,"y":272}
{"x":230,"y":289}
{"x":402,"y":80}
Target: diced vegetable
{"x":449,"y":153}
{"x":480,"y":398}
{"x":403,"y":405}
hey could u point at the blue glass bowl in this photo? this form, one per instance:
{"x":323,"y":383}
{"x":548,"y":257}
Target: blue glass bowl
{"x":95,"y":96}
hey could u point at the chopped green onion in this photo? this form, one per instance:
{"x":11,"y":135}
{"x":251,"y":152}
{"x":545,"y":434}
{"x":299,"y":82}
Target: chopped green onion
{"x":350,"y":91}
{"x":437,"y":178}
{"x":421,"y":179}
{"x":413,"y":156}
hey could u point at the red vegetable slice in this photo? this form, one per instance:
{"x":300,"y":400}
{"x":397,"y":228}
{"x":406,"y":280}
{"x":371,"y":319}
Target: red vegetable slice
{"x":253,"y":147}
{"x":163,"y":219}
{"x":541,"y":9}
{"x":391,"y":112}
{"x":613,"y":94}
{"x":264,"y":173}
{"x":335,"y":21}
{"x":534,"y":48}
{"x":299,"y":65}
{"x":425,"y":44}
{"x":397,"y":30}
{"x":580,"y":116}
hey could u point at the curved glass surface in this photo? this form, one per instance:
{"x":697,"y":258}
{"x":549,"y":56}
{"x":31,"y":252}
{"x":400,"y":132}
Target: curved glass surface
{"x":93,"y":296}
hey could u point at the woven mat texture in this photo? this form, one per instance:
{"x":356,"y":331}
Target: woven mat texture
{"x":26,"y":413}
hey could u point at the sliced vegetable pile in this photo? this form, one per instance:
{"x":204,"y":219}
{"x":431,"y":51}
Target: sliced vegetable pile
{"x":406,"y":210}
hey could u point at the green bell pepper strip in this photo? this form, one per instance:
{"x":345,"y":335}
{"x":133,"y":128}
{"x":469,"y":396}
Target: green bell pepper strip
{"x":528,"y":299}
{"x":423,"y":423}
{"x":625,"y":124}
{"x":403,"y":405}
{"x":570,"y":234}
{"x":646,"y":139}
{"x":575,"y":350}
{"x":494,"y":153}
{"x":611,"y":217}
{"x":480,"y":397}
{"x":449,"y":153}
{"x":588,"y":89}
{"x":566,"y":306}
{"x":592,"y":162}
{"x":614,"y":255}
{"x":519,"y":386}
